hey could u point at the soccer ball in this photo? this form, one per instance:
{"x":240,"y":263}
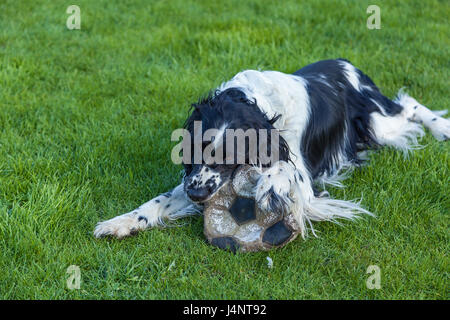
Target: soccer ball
{"x":233,"y":220}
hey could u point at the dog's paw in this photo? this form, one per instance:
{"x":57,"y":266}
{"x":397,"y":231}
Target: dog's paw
{"x":273,"y":190}
{"x":440,"y":128}
{"x":119,"y":227}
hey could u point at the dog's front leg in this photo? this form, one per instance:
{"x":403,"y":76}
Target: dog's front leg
{"x":278,"y":188}
{"x":170,"y":205}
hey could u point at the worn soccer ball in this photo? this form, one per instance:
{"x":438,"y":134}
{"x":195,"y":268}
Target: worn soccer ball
{"x":234,"y":221}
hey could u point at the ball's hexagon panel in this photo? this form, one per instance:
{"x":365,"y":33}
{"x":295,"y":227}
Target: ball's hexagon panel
{"x":220,"y":222}
{"x":243,"y":210}
{"x":224,"y":197}
{"x":277,"y":234}
{"x":249,"y":233}
{"x":225,"y":243}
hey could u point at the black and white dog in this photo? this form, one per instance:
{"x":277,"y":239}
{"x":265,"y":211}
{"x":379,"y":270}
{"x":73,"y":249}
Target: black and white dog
{"x":327,"y":114}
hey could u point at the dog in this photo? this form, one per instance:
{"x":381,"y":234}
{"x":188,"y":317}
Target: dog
{"x":328,"y":114}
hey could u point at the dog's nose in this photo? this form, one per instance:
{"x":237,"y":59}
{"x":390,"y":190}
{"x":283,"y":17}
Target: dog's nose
{"x":198,"y":195}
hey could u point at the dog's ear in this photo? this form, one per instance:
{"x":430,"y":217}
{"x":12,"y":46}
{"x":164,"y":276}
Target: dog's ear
{"x":193,"y":115}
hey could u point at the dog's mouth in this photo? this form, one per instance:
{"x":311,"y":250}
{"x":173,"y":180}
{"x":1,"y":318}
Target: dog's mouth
{"x":201,"y":202}
{"x":197,"y":197}
{"x":200,"y":196}
{"x":201,"y":199}
{"x":200,"y":193}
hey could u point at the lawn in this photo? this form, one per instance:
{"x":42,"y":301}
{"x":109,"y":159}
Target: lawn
{"x":85,"y":123}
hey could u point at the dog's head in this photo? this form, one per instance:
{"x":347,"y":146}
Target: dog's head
{"x":221,"y":141}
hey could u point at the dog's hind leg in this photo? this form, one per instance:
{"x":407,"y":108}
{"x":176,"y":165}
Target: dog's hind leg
{"x":403,"y":129}
{"x":432,"y":120}
{"x":168,"y":206}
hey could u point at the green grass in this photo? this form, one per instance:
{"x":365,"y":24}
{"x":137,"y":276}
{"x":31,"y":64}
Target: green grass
{"x":85,"y":124}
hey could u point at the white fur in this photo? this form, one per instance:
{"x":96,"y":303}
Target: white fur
{"x":206,"y":174}
{"x":351,"y":74}
{"x":396,"y":131}
{"x":275,"y":93}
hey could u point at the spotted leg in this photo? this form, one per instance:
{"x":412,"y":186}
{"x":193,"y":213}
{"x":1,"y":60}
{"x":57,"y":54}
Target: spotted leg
{"x":168,"y":206}
{"x":416,"y":112}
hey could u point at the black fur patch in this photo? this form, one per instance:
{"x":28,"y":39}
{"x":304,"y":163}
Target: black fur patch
{"x":340,"y":115}
{"x":243,"y":210}
{"x":277,"y":203}
{"x":143,"y":218}
{"x":277,"y":234}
